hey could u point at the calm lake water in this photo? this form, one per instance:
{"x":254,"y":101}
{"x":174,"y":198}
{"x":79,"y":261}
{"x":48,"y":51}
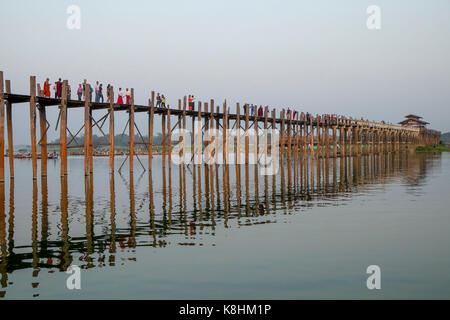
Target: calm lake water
{"x":310,"y":232}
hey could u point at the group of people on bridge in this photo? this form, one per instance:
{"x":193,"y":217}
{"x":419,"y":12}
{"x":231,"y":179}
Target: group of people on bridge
{"x":125,"y":96}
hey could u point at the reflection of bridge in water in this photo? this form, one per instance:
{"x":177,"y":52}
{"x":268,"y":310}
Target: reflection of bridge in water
{"x":193,"y":203}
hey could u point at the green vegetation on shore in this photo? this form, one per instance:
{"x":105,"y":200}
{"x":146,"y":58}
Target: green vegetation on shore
{"x":434,"y":148}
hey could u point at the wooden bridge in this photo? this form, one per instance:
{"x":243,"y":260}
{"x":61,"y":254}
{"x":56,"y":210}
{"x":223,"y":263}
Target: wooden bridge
{"x":298,"y":137}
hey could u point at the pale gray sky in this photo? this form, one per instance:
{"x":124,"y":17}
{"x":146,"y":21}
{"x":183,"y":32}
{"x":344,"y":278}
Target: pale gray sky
{"x":317,"y":56}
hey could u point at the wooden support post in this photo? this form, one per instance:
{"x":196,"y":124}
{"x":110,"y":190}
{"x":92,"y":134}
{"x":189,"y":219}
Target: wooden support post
{"x":131,"y":132}
{"x":169,"y":140}
{"x":255,"y":128}
{"x":111,"y":129}
{"x":184,"y":130}
{"x":266,"y":136}
{"x":319,"y":141}
{"x":247,"y":115}
{"x":151,"y":115}
{"x":163,"y":129}
{"x":87,"y":127}
{"x":238,"y":134}
{"x":282,"y":139}
{"x":2,"y":130}
{"x":217,"y":147}
{"x":225,"y":134}
{"x":290,"y":136}
{"x":33,"y":125}
{"x":43,"y":139}
{"x":212,"y":139}
{"x":63,"y":131}
{"x":273,"y":146}
{"x":334,"y":142}
{"x":198,"y":141}
{"x":9,"y":126}
{"x":312,"y":137}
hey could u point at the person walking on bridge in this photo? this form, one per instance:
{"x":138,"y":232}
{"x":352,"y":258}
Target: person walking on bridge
{"x":58,"y":89}
{"x":190,"y":102}
{"x":158,"y":100}
{"x":120,"y":96}
{"x":47,"y":88}
{"x":128,"y":94}
{"x":79,"y":92}
{"x":163,"y":101}
{"x":100,"y":93}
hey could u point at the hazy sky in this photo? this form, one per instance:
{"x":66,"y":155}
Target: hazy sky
{"x":317,"y":56}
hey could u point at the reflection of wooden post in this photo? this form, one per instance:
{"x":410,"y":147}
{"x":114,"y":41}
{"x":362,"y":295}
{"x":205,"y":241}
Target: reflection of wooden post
{"x":10,"y":131}
{"x":131,"y":132}
{"x":43,"y":139}
{"x":2,"y":130}
{"x":33,"y":124}
{"x":111,"y":129}
{"x":63,"y":131}
{"x":151,"y":115}
{"x":86,"y":129}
